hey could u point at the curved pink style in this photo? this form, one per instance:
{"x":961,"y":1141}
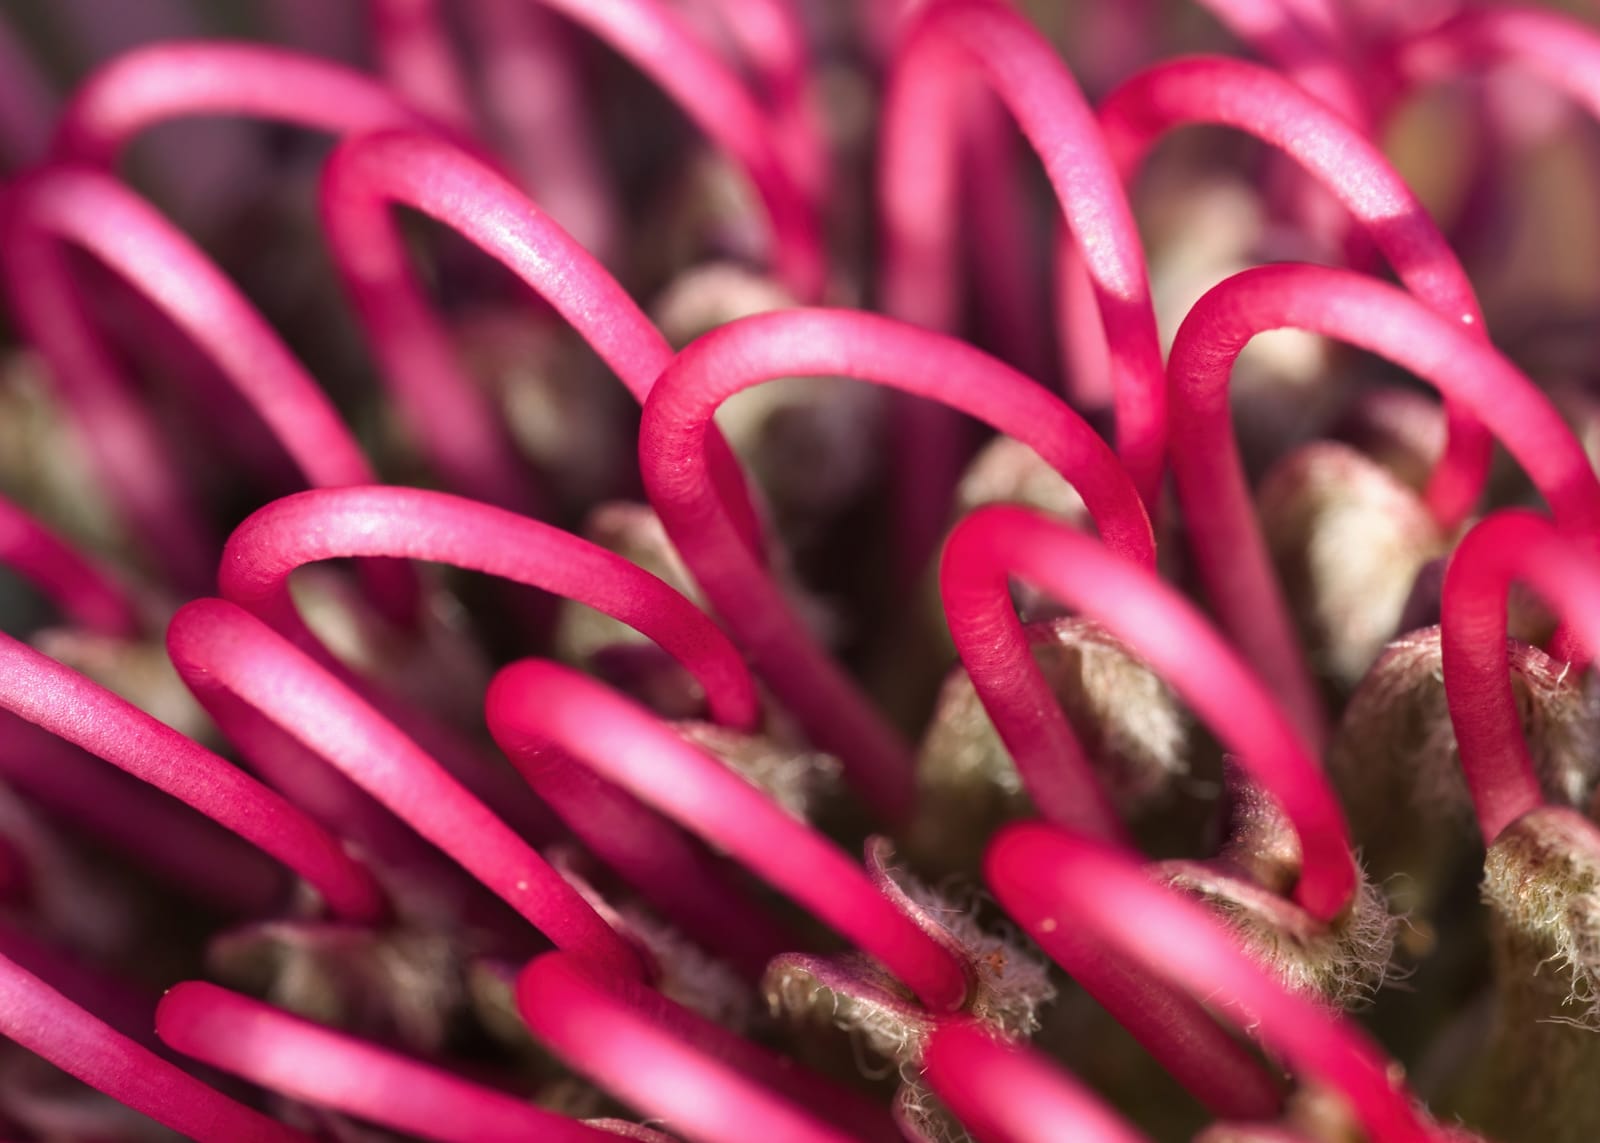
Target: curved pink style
{"x":1225,"y":535}
{"x":1073,"y":894}
{"x":416,"y":55}
{"x":1507,"y":547}
{"x":40,"y":690}
{"x":87,"y":595}
{"x":746,"y":353}
{"x":222,"y":652}
{"x":160,"y":82}
{"x":417,"y":524}
{"x":1004,"y":1093}
{"x":533,"y":706}
{"x":46,"y":1023}
{"x":307,"y":1062}
{"x":1264,"y":104}
{"x":917,"y":199}
{"x":1306,"y":41}
{"x":706,"y":1083}
{"x":1162,"y":628}
{"x":455,"y":422}
{"x":97,"y":214}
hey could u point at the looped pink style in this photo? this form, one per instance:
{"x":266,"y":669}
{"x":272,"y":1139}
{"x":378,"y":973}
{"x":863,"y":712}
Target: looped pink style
{"x":746,"y":353}
{"x":361,"y":181}
{"x":92,"y":211}
{"x":307,"y":1062}
{"x":46,"y":1023}
{"x":1507,"y":547}
{"x":160,"y":82}
{"x":223,"y":653}
{"x":1225,"y":536}
{"x":1082,"y":900}
{"x":1005,"y":1093}
{"x":533,"y":706}
{"x":1161,"y":627}
{"x":1264,"y":104}
{"x":40,"y":690}
{"x":702,"y":1080}
{"x":917,"y":199}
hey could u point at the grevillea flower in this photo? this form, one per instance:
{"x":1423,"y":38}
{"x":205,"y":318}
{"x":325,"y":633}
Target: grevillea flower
{"x":408,"y":732}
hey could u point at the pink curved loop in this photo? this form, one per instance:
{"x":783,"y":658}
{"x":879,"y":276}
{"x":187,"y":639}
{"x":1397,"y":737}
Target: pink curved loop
{"x":1004,"y":1093}
{"x":668,"y":1063}
{"x":221,"y":651}
{"x":1225,"y":536}
{"x":160,"y":82}
{"x":1266,"y":105}
{"x":748,"y":352}
{"x":40,"y":690}
{"x":304,"y":1061}
{"x":361,"y":181}
{"x":417,"y":524}
{"x":1507,"y":547}
{"x":1072,"y":892}
{"x":534,"y":705}
{"x":87,"y":595}
{"x":918,"y":196}
{"x":1307,"y":41}
{"x":46,"y":1023}
{"x":97,"y":214}
{"x":1163,"y":629}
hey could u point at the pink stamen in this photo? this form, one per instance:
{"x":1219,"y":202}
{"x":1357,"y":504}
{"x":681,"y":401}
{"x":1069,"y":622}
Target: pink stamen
{"x":1084,"y":901}
{"x":1163,"y":629}
{"x":221,"y":651}
{"x":534,"y":705}
{"x":415,"y":54}
{"x":49,"y":1025}
{"x":42,"y":691}
{"x":1004,"y":1093}
{"x":797,"y":343}
{"x":917,"y":201}
{"x":671,"y":1064}
{"x":307,"y":1062}
{"x":413,"y":523}
{"x":1304,"y":39}
{"x":360,"y":182}
{"x":1507,"y":547}
{"x":1225,"y":535}
{"x":87,"y":595}
{"x":1269,"y":107}
{"x":95,"y":213}
{"x":152,"y":85}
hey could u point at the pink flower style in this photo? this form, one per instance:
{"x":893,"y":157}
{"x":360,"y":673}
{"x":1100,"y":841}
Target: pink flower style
{"x":990,"y":683}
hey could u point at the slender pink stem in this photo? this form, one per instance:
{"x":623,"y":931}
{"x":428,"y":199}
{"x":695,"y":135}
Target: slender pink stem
{"x":184,"y":849}
{"x":533,"y":705}
{"x":798,"y":343}
{"x":40,"y":690}
{"x":670,"y":1064}
{"x":1067,"y":890}
{"x":87,"y":595}
{"x":1161,"y":627}
{"x":1225,"y":536}
{"x":1505,"y":548}
{"x":362,"y":179}
{"x":417,"y":524}
{"x":415,"y":53}
{"x":1004,"y":1093}
{"x":221,"y":650}
{"x":918,"y":196}
{"x":317,"y":1065}
{"x":97,"y":214}
{"x":1264,"y":104}
{"x":27,"y":104}
{"x":152,"y":85}
{"x":49,"y":1025}
{"x":539,"y":114}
